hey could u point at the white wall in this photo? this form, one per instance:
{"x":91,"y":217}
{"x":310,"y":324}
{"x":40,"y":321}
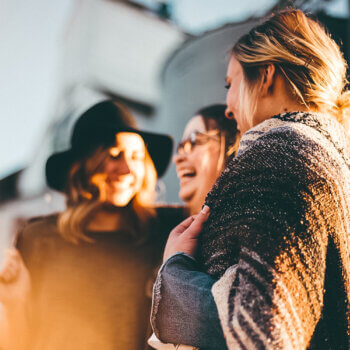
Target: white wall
{"x":31,"y":34}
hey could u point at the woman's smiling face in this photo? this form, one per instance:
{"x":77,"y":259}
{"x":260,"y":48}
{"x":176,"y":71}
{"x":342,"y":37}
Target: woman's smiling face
{"x":198,"y":162}
{"x":123,"y":170}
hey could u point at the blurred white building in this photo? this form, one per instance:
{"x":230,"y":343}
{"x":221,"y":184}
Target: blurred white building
{"x":110,"y":49}
{"x":121,"y":50}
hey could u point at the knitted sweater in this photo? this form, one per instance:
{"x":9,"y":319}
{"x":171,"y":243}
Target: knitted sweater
{"x":278,"y":237}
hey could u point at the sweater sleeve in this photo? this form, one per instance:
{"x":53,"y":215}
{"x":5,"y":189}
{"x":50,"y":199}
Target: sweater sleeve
{"x":274,"y":233}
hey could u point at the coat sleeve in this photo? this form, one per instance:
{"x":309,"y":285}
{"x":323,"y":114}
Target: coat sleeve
{"x":183,"y":310}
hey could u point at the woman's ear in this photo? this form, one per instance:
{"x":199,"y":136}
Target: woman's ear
{"x":268,"y":79}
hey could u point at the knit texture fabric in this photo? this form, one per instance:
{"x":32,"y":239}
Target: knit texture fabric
{"x":280,"y":226}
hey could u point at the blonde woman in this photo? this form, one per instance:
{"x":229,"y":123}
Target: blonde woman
{"x":86,"y":271}
{"x":272,"y":265}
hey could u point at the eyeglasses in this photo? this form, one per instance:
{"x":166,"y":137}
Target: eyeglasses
{"x":197,"y":138}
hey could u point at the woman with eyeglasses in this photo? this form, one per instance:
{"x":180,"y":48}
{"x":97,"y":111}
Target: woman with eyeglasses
{"x":86,"y":274}
{"x":266,"y":264}
{"x":209,"y":140}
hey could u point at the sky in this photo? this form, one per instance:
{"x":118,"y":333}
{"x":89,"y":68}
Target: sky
{"x":197,"y":16}
{"x":31,"y":39}
{"x":195,"y":19}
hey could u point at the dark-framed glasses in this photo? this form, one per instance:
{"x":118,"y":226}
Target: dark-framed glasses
{"x":197,"y":138}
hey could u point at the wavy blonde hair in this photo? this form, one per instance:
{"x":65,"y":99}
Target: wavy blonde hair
{"x":84,"y":199}
{"x":304,"y":54}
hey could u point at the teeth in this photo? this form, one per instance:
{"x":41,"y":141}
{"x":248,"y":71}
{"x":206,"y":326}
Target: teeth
{"x":186,"y":172}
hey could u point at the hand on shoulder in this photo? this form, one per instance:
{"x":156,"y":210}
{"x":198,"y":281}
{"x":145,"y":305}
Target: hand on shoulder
{"x":184,"y":237}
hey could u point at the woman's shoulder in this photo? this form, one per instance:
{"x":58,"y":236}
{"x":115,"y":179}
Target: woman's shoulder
{"x":299,"y":127}
{"x":37,"y":239}
{"x":40,"y":224}
{"x":298,"y":135}
{"x":281,"y":131}
{"x":37,"y":229}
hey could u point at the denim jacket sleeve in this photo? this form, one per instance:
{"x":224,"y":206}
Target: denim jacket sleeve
{"x":183,"y":309}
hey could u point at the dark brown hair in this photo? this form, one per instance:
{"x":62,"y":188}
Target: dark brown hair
{"x":214,"y":118}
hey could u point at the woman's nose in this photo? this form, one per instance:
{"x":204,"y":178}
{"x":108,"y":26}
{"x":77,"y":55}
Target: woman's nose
{"x":120,"y":165}
{"x":179,"y":157}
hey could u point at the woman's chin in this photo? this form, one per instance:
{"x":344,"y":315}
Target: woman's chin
{"x":193,"y":203}
{"x":186,"y":195}
{"x":121,"y":200}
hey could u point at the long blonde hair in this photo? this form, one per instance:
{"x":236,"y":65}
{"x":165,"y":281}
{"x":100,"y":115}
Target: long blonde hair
{"x":304,"y":54}
{"x":83,"y":199}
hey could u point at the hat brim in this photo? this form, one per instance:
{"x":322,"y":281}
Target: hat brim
{"x":57,"y":169}
{"x":159,"y":147}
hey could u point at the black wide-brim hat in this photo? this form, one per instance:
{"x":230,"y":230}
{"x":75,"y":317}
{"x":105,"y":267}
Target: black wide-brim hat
{"x":98,"y":127}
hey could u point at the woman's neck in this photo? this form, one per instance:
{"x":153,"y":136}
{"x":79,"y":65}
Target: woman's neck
{"x":281,"y":109}
{"x":196,"y":204}
{"x":279,"y":100}
{"x":291,"y":107}
{"x":106,"y":219}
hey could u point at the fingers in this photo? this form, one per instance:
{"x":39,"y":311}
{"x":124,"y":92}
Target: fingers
{"x":205,"y":211}
{"x":180,"y":228}
{"x":183,"y":238}
{"x":12,"y":253}
{"x":193,"y":224}
{"x":12,"y":265}
{"x":196,"y":227}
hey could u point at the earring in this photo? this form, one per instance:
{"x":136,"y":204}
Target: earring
{"x":229,"y":115}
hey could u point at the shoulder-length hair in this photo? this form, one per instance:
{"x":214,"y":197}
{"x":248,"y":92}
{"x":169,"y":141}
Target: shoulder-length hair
{"x":213,"y":117}
{"x":83,"y":199}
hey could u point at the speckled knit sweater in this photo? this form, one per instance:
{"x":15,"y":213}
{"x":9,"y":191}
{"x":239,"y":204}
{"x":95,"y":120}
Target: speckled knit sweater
{"x":278,"y":236}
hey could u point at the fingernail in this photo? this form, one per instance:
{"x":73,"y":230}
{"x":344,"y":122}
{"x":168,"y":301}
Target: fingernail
{"x":205,"y":209}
